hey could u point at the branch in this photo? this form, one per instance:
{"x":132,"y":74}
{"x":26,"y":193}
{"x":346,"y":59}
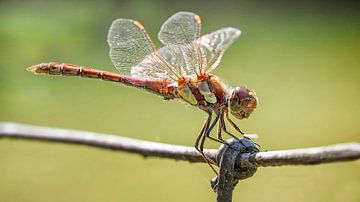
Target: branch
{"x":307,"y":156}
{"x":104,"y":141}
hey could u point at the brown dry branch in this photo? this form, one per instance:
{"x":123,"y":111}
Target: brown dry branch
{"x":235,"y":164}
{"x":306,"y":156}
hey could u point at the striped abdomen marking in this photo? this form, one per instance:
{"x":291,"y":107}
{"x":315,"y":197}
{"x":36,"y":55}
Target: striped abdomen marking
{"x":160,"y":87}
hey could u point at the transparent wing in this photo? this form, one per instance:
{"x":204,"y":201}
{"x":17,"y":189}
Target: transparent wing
{"x":131,"y":47}
{"x":214,"y":45}
{"x":183,"y":58}
{"x":185,"y":53}
{"x":179,"y":34}
{"x":181,"y":28}
{"x":154,"y":66}
{"x":128,"y":44}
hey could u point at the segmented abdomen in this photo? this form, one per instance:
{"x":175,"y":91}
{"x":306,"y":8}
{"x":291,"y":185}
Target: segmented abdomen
{"x":160,"y":86}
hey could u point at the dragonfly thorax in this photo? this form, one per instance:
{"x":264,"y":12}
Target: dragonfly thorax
{"x":242,"y":102}
{"x":202,"y":91}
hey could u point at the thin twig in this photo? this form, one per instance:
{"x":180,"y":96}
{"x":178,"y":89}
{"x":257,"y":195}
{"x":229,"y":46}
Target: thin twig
{"x":307,"y":156}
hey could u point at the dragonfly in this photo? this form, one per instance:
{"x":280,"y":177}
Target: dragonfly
{"x":181,"y":69}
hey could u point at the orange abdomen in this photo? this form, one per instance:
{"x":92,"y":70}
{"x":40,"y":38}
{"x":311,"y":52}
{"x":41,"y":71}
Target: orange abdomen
{"x":158,"y":86}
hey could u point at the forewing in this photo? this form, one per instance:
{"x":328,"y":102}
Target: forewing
{"x":214,"y":44}
{"x":181,"y":28}
{"x":128,"y":43}
{"x":134,"y":54}
{"x":185,"y":53}
{"x":179,"y":34}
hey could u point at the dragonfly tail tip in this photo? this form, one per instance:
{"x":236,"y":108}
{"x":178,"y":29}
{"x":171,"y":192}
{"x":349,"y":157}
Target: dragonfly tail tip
{"x":31,"y":69}
{"x":36,"y":69}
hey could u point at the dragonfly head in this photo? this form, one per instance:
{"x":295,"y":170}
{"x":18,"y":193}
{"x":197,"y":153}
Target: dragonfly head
{"x":242,"y":102}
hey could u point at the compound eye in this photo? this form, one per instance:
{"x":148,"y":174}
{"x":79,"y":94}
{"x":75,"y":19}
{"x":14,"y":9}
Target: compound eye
{"x":241,"y":93}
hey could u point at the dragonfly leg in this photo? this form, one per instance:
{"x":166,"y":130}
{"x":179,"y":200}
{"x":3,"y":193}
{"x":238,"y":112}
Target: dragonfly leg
{"x":222,"y":121}
{"x":219,"y":116}
{"x":236,"y":127}
{"x":200,"y":136}
{"x":204,"y":128}
{"x":221,"y":127}
{"x":207,"y":133}
{"x":233,"y":124}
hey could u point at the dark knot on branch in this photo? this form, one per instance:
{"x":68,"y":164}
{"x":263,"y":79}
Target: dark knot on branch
{"x":231,"y":167}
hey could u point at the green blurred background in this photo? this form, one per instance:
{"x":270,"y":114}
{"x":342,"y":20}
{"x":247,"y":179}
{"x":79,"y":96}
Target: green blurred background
{"x":302,"y":59}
